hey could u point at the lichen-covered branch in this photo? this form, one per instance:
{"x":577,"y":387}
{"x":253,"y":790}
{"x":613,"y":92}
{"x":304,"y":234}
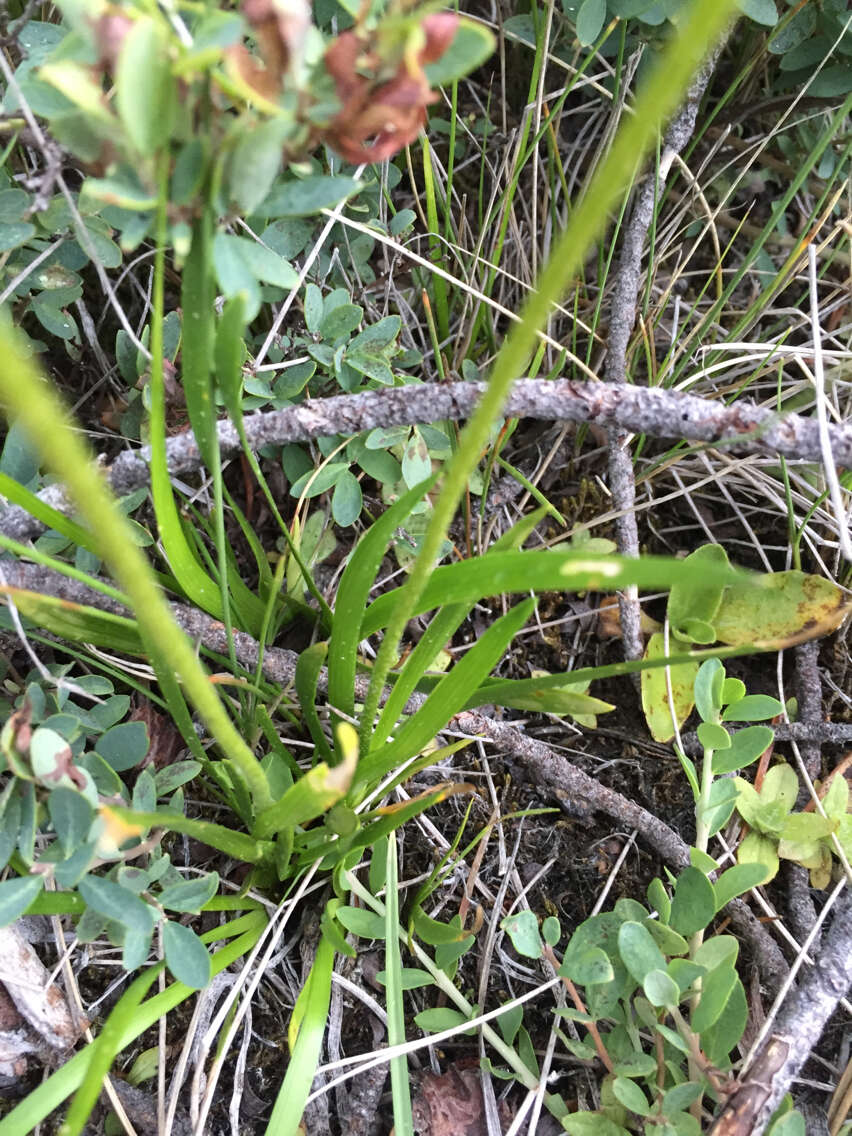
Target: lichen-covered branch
{"x":796,"y":1032}
{"x":659,"y":413}
{"x":623,"y":307}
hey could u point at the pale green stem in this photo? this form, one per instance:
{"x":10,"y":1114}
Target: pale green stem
{"x":29,"y":399}
{"x":661,"y":94}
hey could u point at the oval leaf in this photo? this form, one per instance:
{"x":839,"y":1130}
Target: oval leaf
{"x":16,"y":896}
{"x":144,"y":87}
{"x":186,"y":956}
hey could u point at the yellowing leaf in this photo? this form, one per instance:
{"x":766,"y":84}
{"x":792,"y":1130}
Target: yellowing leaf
{"x":779,"y":610}
{"x":655,"y":697}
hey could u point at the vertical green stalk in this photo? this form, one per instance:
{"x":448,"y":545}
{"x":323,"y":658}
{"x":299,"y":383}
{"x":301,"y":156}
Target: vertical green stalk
{"x":31,"y":400}
{"x":659,"y":98}
{"x":442,"y":310}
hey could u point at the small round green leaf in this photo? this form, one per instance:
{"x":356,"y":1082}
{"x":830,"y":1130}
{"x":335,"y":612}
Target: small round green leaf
{"x":693,"y":903}
{"x":522,"y":929}
{"x":629,"y":1094}
{"x":590,"y":19}
{"x":190,"y":895}
{"x":124,"y":746}
{"x":441,"y":1018}
{"x":144,"y":86}
{"x":346,"y":501}
{"x":116,"y":902}
{"x":639,"y":953}
{"x":753,"y":708}
{"x":660,"y":989}
{"x":71,"y":816}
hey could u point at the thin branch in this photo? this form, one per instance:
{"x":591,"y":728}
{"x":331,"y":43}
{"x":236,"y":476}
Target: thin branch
{"x":660,"y":413}
{"x":544,"y":765}
{"x":796,"y":1032}
{"x":623,"y":307}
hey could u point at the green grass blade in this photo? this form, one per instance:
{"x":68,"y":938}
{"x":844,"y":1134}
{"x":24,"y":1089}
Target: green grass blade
{"x":192,"y":578}
{"x":197,"y":336}
{"x":307,"y":673}
{"x":77,"y":622}
{"x":438,"y":633}
{"x":448,"y":697}
{"x":352,"y":594}
{"x":33,"y":402}
{"x":228,"y":355}
{"x":290,"y":1102}
{"x":20,"y":495}
{"x":663,"y":90}
{"x":547,"y":570}
{"x":50,"y":1094}
{"x":103,"y":1051}
{"x":235,"y":844}
{"x":400,"y":1086}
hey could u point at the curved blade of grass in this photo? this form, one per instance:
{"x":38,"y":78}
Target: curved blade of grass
{"x":663,"y":90}
{"x":29,"y":552}
{"x":437,"y":634}
{"x":227,"y":840}
{"x":50,"y":1094}
{"x":32,"y":401}
{"x":394,"y":1000}
{"x":307,"y":673}
{"x":314,"y":999}
{"x":192,"y":578}
{"x":434,"y":638}
{"x":77,"y":622}
{"x":469,"y":581}
{"x":19,"y":495}
{"x":197,"y":336}
{"x":228,"y":358}
{"x":353,"y":591}
{"x":104,"y":1050}
{"x":312,"y":795}
{"x":393,"y":818}
{"x":448,"y":697}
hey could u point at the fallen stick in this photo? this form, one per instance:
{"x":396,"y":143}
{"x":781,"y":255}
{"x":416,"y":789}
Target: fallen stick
{"x":647,"y":410}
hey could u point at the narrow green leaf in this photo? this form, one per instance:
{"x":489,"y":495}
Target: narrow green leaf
{"x":448,"y":697}
{"x":228,"y":354}
{"x":308,"y":669}
{"x":198,"y":337}
{"x":525,"y":571}
{"x":352,"y":594}
{"x":290,"y":1102}
{"x":400,"y":1087}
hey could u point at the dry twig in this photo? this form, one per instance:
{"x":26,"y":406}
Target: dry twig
{"x":659,"y":413}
